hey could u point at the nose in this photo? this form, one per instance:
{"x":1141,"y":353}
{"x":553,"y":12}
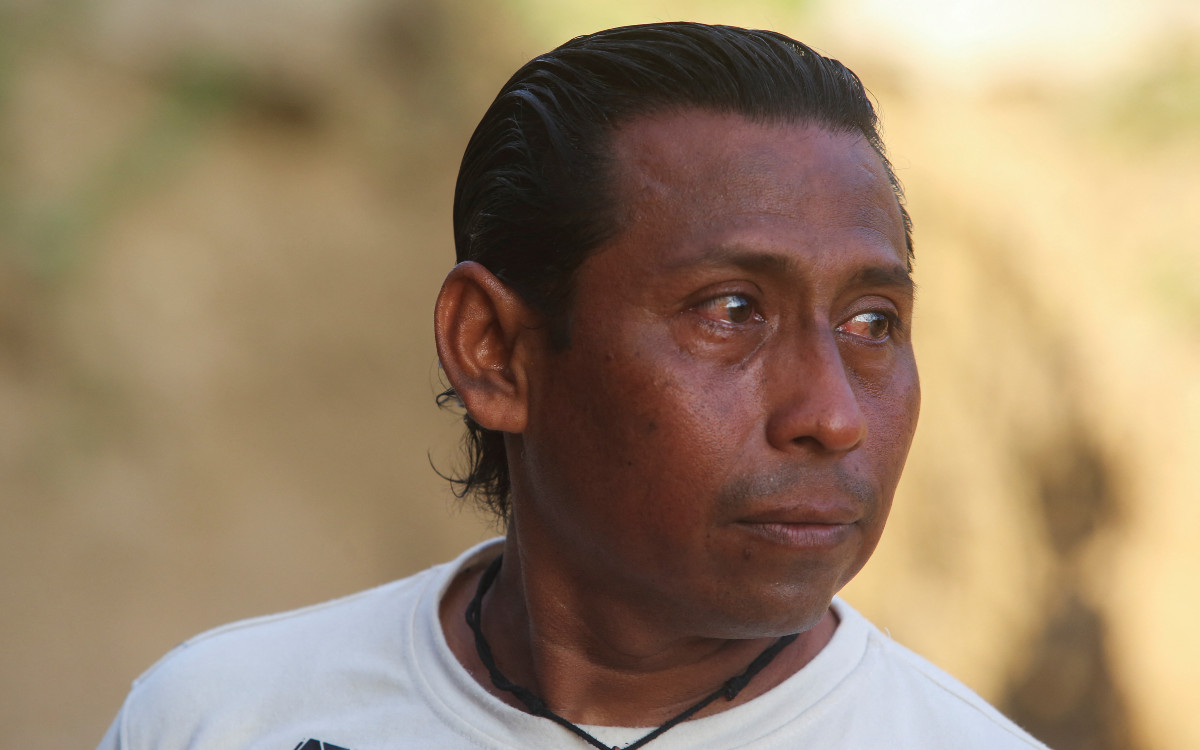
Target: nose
{"x":813,"y":405}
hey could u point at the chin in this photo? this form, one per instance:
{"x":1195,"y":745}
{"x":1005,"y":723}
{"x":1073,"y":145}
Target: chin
{"x":802,"y":618}
{"x":774,"y":616}
{"x":795,"y":602}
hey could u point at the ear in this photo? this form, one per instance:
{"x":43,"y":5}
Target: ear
{"x":485,"y":336}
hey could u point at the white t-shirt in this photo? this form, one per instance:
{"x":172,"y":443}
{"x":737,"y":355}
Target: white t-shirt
{"x":373,"y":671}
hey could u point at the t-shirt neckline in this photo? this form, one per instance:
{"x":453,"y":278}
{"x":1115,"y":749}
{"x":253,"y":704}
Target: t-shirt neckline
{"x":480,"y":717}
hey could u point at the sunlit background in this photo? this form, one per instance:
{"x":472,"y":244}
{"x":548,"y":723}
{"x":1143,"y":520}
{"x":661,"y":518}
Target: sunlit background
{"x":223,"y":224}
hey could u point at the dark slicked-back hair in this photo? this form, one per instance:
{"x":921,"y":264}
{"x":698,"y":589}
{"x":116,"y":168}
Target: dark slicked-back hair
{"x":534,"y":196}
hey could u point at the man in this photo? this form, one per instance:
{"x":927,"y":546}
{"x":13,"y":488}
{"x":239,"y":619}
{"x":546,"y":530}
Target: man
{"x":681,"y":331}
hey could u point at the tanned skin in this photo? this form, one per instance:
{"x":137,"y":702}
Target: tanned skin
{"x":714,"y":455}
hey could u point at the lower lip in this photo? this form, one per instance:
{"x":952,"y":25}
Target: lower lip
{"x":802,"y":535}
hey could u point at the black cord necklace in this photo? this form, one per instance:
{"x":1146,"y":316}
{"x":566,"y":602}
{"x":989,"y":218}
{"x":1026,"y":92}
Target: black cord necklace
{"x":538,"y":707}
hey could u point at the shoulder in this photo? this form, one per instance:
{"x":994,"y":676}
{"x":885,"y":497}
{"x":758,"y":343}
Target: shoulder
{"x":925,"y":700}
{"x":217,"y":688}
{"x":285,"y":638}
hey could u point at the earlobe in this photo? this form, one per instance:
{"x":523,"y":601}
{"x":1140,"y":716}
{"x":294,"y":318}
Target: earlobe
{"x":484,"y":331}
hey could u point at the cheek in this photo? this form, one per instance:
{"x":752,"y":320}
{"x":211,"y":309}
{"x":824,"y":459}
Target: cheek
{"x":648,"y":388}
{"x":893,"y":409}
{"x":592,"y":421}
{"x":908,"y":407}
{"x":653,"y":434}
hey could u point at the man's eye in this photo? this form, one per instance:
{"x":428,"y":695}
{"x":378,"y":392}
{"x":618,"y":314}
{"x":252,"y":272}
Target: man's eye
{"x":729,"y":308}
{"x":873,"y":326}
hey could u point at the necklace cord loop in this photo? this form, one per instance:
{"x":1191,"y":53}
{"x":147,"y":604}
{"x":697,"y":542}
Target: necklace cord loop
{"x":728,"y":690}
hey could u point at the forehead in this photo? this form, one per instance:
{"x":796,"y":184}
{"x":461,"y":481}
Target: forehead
{"x":698,"y":171}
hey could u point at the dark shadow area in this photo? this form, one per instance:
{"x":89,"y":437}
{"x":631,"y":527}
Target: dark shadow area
{"x":1066,"y":693}
{"x":1068,"y":696}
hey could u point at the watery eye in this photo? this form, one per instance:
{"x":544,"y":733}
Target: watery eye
{"x":732,"y":308}
{"x":738,"y":309}
{"x":869,"y":325}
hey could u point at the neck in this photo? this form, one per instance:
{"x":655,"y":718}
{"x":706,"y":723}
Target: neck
{"x":593,"y":659}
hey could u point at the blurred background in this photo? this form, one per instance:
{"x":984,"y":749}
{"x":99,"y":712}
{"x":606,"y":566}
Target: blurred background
{"x":223,"y":224}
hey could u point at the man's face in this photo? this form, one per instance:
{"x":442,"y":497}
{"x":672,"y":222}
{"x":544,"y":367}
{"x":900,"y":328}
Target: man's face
{"x":720,"y":443}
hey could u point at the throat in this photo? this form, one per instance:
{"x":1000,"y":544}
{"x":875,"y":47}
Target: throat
{"x":569,"y":702}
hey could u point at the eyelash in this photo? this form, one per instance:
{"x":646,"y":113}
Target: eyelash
{"x":894,"y":326}
{"x":714,"y":304}
{"x":892,"y":319}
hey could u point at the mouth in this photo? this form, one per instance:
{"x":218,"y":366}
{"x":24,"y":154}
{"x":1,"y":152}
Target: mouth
{"x":800,"y":535}
{"x":804,"y":528}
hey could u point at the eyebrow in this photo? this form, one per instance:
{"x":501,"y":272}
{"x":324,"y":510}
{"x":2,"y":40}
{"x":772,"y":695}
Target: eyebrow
{"x":894,"y":276}
{"x":898,"y":277}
